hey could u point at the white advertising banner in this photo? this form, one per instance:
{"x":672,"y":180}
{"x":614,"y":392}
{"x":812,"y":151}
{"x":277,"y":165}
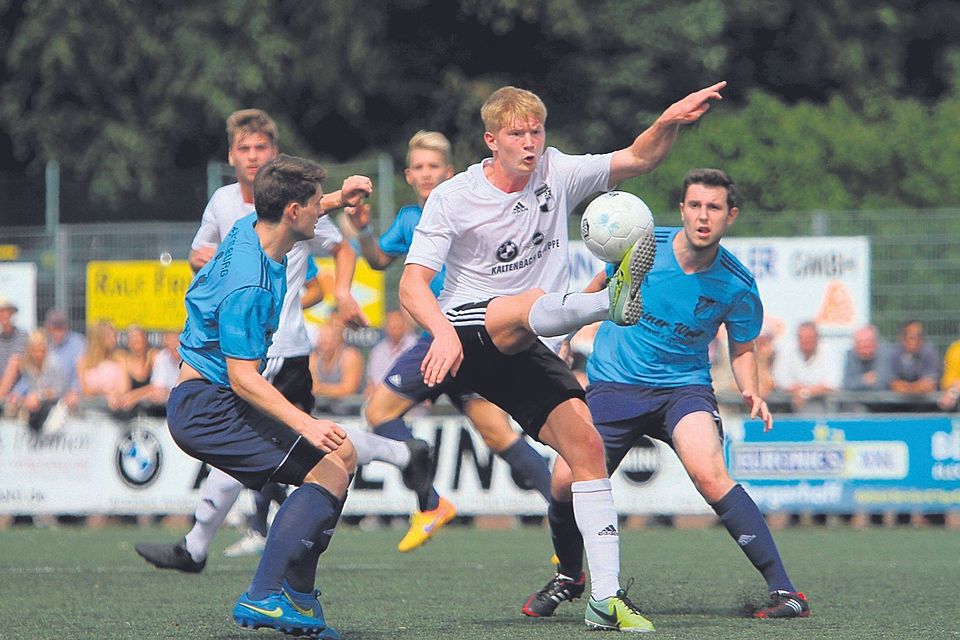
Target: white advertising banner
{"x":98,"y":465}
{"x":18,"y":282}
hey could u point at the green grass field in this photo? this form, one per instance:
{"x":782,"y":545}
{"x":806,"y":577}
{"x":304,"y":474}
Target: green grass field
{"x":468,"y":583}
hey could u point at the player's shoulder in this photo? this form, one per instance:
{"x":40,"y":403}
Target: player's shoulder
{"x":464,"y":182}
{"x":411,"y":212}
{"x":731,"y":265}
{"x":664,"y":235}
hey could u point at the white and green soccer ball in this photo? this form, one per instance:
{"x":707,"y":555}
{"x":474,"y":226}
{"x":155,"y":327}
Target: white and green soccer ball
{"x":613,"y":222}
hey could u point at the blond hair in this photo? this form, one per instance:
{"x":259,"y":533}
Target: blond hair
{"x":431,"y":141}
{"x":248,"y":121}
{"x":508,"y":105}
{"x":97,"y":348}
{"x":28,"y":365}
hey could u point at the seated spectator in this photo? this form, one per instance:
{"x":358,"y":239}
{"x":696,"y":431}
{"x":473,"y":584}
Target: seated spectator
{"x":806,"y":371}
{"x":42,"y":384}
{"x":337,"y":369}
{"x":398,"y":337}
{"x":166,"y":369}
{"x":13,"y":342}
{"x":101,"y":368}
{"x":950,"y":380}
{"x":63,"y":345}
{"x":914,"y":362}
{"x":138,"y":363}
{"x":867,"y":365}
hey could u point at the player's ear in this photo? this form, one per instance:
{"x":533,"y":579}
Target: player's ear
{"x":407,"y":176}
{"x":491,"y":140}
{"x":292,"y":210}
{"x":230,"y":159}
{"x":732,"y":215}
{"x":448,"y":173}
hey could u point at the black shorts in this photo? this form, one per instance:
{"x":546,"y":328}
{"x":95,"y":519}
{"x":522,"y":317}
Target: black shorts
{"x":405,"y":378}
{"x":294,"y":381}
{"x":527,"y":385}
{"x":213,"y":424}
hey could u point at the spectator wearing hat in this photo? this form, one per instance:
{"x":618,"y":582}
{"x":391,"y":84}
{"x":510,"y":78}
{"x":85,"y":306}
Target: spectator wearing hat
{"x":64,"y":347}
{"x":13,"y":342}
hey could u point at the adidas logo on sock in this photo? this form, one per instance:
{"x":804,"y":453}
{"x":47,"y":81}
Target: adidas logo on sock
{"x":608,"y":530}
{"x":745,"y":539}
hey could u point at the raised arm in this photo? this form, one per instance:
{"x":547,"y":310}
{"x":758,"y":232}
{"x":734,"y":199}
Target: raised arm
{"x":653,"y":145}
{"x":359,"y":217}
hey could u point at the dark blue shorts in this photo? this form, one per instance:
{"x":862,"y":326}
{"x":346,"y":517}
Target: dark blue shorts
{"x":211,"y":423}
{"x":624,"y":413}
{"x":405,"y":379}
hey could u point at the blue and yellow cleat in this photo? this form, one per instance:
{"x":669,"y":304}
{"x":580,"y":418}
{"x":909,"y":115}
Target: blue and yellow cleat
{"x":626,"y":299}
{"x":276,"y":611}
{"x":308,"y":604}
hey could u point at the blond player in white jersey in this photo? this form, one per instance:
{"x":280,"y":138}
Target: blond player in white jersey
{"x":500,"y":228}
{"x":252,"y":136}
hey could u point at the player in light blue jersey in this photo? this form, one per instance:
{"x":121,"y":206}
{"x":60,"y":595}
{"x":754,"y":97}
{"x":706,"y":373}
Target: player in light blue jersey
{"x":428,"y":164}
{"x":225,"y":413}
{"x":653,"y":379}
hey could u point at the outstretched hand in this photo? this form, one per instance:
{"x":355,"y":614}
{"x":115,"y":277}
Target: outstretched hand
{"x":354,"y":190}
{"x":758,"y":408}
{"x":359,"y":215}
{"x":691,"y":108}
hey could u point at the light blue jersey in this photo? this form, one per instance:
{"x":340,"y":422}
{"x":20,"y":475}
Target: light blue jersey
{"x":681,"y":315}
{"x":233,"y":304}
{"x":396,"y":240}
{"x":312,"y":270}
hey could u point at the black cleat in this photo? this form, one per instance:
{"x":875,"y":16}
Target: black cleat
{"x":784,"y":604}
{"x":170,"y":556}
{"x":560,"y":589}
{"x":418,"y":474}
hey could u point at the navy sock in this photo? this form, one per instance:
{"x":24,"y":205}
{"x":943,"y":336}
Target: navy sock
{"x":397,"y":429}
{"x":567,"y":539}
{"x":271,"y":491}
{"x":302,"y":575}
{"x":304,"y":517}
{"x":528,"y":466}
{"x":740,"y":515}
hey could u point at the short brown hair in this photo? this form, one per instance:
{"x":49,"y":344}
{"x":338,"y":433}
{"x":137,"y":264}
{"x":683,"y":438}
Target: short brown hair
{"x":711,"y":178}
{"x":507,"y":105}
{"x":283,"y":180}
{"x":247,"y":121}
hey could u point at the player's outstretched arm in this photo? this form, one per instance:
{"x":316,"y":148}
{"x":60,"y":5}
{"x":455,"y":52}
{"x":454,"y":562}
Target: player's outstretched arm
{"x":446,"y":352}
{"x":359,"y":217}
{"x":653,"y":145}
{"x":246,"y":381}
{"x":344,"y":266}
{"x":352,"y":193}
{"x":743,"y":362}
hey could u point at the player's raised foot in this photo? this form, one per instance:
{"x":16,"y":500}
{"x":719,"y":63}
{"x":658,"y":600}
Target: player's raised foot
{"x":276,"y":611}
{"x":309,"y":605}
{"x":626,"y":299}
{"x":616,"y":613}
{"x":423,"y":524}
{"x":560,"y":589}
{"x":169,"y":556}
{"x":251,"y":544}
{"x":785,"y":604}
{"x":417,"y":475}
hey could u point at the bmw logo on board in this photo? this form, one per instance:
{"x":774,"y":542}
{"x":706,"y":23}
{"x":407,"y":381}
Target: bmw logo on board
{"x":139,"y":457}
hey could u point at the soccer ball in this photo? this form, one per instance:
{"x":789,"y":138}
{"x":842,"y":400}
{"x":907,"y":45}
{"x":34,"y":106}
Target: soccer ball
{"x":613,"y":222}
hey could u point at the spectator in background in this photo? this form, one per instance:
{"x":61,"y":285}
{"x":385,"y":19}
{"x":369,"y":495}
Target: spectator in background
{"x":867,"y":365}
{"x":337,"y":369}
{"x":63,"y":345}
{"x":950,"y":380}
{"x":806,"y":371}
{"x":13,"y":341}
{"x":166,"y":369}
{"x":138,"y":364}
{"x":42,"y":384}
{"x":101,"y":368}
{"x":914,"y":362}
{"x":398,"y":337}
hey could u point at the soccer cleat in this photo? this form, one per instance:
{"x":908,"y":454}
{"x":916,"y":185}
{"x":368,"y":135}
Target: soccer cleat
{"x":560,"y":589}
{"x":308,"y":604}
{"x":417,"y":475}
{"x":170,"y":556}
{"x":616,"y":613}
{"x":251,"y":544}
{"x":626,"y":299}
{"x":276,"y":611}
{"x":423,"y":524}
{"x":785,"y":604}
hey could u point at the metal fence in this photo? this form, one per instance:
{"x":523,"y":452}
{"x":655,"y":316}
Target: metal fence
{"x":915,"y":264}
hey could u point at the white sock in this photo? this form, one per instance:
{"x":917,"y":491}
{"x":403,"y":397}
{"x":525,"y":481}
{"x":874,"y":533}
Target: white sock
{"x":372,"y":447}
{"x":217,"y":496}
{"x":597,"y":520}
{"x":557,"y":314}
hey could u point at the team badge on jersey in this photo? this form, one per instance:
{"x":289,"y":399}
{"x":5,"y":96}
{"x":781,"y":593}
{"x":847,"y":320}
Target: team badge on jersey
{"x":545,"y":199}
{"x":507,"y":251}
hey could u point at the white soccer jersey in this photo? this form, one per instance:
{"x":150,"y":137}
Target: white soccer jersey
{"x":224,"y":209}
{"x":495,"y":243}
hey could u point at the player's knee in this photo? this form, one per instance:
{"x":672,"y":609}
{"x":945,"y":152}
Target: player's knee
{"x":347,"y":454}
{"x":712,"y":484}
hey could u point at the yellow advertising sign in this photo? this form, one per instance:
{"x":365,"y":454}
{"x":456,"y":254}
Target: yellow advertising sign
{"x":367,"y":289}
{"x":9,"y":252}
{"x":143,"y":292}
